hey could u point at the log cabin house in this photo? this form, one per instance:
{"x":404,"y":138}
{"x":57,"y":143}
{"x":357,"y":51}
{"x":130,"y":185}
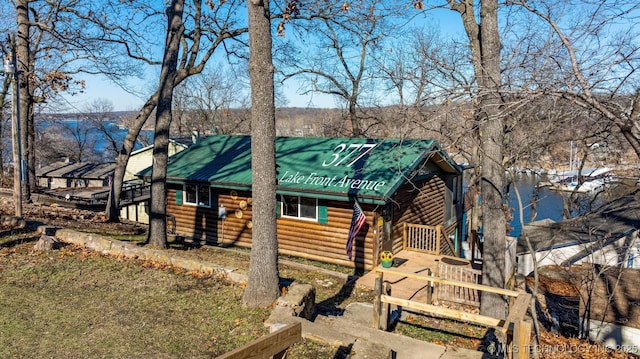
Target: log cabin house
{"x":397,"y":182}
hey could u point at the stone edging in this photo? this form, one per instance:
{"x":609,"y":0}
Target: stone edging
{"x":110,"y":246}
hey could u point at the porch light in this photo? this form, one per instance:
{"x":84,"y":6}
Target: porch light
{"x":222,"y":214}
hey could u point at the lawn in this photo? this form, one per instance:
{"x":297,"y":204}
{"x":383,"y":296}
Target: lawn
{"x":74,"y":303}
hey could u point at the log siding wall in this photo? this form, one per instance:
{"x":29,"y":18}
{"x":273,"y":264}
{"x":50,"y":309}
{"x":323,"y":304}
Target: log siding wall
{"x":327,"y":242}
{"x":421,"y":203}
{"x":296,"y":237}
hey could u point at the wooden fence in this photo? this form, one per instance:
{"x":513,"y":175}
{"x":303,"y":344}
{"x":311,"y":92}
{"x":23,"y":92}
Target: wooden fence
{"x":518,"y":331}
{"x":272,"y":345}
{"x":428,"y":239}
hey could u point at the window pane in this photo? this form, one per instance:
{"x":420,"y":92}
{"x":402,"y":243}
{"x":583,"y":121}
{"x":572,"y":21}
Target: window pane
{"x":290,"y":206}
{"x":203,"y":196}
{"x":308,"y":207}
{"x":190,"y":193}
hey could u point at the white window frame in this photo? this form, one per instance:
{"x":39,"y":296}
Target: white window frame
{"x":185,"y":195}
{"x":297,"y":216}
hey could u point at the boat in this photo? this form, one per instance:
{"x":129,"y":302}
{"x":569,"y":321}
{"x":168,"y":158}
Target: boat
{"x":588,"y":181}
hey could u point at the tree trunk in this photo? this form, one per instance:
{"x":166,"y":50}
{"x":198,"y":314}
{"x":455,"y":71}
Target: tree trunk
{"x":125,"y":153}
{"x":263,"y":284}
{"x":158,"y":208}
{"x":493,"y":173}
{"x":6,"y":84}
{"x":25,"y":67}
{"x":484,"y":42}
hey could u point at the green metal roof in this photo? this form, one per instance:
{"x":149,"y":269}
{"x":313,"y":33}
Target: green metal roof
{"x":335,"y":168}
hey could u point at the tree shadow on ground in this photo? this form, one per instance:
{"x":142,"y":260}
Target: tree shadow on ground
{"x":17,"y":241}
{"x":29,"y":228}
{"x":332,"y":305}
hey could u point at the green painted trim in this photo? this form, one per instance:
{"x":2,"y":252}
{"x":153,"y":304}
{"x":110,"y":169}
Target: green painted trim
{"x":323,"y":215}
{"x":179,"y":197}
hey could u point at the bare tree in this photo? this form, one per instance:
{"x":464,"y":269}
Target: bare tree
{"x":6,"y":84}
{"x":594,"y":61}
{"x":82,"y":37}
{"x":194,"y":58}
{"x":263,"y":284}
{"x":431,"y":77}
{"x":484,"y":41}
{"x":54,"y":42}
{"x":213,"y":101}
{"x":157,"y":236}
{"x":345,"y":38}
{"x":99,"y":113}
{"x":74,"y":139}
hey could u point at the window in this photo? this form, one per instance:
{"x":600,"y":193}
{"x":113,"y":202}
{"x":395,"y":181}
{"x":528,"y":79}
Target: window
{"x":300,"y":207}
{"x":452,"y":191}
{"x":197,"y":195}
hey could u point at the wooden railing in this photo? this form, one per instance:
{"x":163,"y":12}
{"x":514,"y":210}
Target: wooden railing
{"x":273,"y":345}
{"x":131,"y":192}
{"x":460,"y":273}
{"x":518,"y":331}
{"x":428,"y":239}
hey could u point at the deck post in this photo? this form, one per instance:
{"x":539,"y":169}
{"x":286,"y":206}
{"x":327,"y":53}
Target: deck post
{"x":429,"y":287}
{"x":386,"y":313}
{"x":436,"y":273}
{"x":404,"y":235}
{"x":377,"y":303}
{"x":521,"y":342}
{"x":438,"y":239}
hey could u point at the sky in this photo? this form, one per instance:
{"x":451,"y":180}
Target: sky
{"x":101,"y":88}
{"x":98,"y":87}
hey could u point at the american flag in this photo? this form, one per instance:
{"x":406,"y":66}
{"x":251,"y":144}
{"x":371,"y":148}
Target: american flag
{"x":357,"y":221}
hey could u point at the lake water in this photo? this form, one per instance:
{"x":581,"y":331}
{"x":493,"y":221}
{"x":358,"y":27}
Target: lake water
{"x":548,"y":205}
{"x":86,"y":129}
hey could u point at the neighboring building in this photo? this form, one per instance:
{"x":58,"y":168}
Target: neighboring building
{"x":67,"y":174}
{"x":137,"y":210}
{"x":607,"y":237}
{"x":396,"y":182}
{"x":610,"y":307}
{"x":141,"y":159}
{"x":596,"y":257}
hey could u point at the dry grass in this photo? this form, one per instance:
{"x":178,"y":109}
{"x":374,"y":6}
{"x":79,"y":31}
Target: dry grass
{"x":73,"y":303}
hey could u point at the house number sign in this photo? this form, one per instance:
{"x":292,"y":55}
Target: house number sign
{"x":344,"y":152}
{"x":344,"y":155}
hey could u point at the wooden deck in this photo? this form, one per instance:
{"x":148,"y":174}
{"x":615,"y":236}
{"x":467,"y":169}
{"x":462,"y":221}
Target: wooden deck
{"x":407,"y":288}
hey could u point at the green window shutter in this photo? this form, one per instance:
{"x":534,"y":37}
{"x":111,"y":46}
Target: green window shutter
{"x":323,"y":216}
{"x":278,"y":208}
{"x":179,"y":197}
